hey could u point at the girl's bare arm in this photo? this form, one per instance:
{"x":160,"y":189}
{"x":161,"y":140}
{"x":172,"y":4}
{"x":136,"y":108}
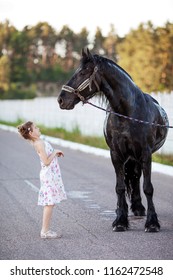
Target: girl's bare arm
{"x":40,"y":148}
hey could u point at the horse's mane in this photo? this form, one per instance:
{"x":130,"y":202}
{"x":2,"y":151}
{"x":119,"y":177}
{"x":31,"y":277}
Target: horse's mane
{"x":101,"y":59}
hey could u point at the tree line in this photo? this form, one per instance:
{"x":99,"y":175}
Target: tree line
{"x":42,"y":54}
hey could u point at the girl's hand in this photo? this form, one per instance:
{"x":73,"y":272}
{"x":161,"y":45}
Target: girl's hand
{"x":59,"y":153}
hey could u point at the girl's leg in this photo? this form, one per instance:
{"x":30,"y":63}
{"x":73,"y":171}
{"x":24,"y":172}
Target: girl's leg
{"x":47,"y":214}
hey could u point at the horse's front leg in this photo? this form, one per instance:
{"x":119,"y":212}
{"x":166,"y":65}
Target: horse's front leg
{"x":121,"y":221}
{"x":152,"y":224}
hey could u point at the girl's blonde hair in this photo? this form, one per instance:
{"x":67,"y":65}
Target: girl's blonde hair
{"x":24,"y":129}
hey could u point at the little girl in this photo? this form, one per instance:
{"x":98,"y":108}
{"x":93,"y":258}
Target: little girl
{"x":52,"y":189}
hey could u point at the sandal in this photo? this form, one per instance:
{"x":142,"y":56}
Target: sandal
{"x":50,"y":235}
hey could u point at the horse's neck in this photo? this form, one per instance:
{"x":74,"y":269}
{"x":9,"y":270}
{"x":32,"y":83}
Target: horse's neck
{"x":118,"y":89}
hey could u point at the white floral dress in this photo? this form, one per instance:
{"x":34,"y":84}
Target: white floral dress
{"x":52,"y":189}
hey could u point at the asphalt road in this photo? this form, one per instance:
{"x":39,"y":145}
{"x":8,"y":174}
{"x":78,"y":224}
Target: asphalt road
{"x":85,"y":218}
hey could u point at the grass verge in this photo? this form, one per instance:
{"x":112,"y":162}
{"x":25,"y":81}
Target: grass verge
{"x":94,"y":141}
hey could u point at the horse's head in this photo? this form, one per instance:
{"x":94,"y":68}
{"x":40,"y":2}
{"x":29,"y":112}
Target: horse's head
{"x":83,"y":84}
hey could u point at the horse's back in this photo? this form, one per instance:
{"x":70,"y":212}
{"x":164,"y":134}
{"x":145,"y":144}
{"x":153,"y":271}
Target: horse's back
{"x":151,"y":98}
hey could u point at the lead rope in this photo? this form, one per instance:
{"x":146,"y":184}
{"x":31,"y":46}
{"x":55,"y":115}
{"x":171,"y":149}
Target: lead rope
{"x":126,"y":117}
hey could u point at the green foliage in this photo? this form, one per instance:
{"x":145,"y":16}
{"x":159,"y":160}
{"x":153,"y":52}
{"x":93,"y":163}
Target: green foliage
{"x":75,"y":136}
{"x":41,"y":54}
{"x":4,"y":73}
{"x":163,"y":159}
{"x":19,"y":45}
{"x":54,"y":74}
{"x":147,"y":54}
{"x":17,"y":91}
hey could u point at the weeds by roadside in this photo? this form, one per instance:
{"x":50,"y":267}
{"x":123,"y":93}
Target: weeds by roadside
{"x":94,"y":141}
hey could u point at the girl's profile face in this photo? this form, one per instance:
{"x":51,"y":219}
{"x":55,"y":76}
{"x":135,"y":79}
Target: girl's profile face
{"x":35,"y":133}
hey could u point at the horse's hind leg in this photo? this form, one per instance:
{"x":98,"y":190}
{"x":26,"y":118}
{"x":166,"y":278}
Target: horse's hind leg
{"x":132,"y":180}
{"x":121,"y":221}
{"x":152,"y":224}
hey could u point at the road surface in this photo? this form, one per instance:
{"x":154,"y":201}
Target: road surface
{"x":85,"y":218}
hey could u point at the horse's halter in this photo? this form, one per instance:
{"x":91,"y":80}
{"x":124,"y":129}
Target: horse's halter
{"x":84,"y":85}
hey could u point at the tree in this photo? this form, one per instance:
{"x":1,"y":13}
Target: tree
{"x":81,"y":40}
{"x":4,"y":73}
{"x":19,"y":57}
{"x":165,"y":56}
{"x":6,"y":31}
{"x":43,"y":39}
{"x":98,"y":42}
{"x":138,"y":56}
{"x":110,"y":44}
{"x":67,"y":38}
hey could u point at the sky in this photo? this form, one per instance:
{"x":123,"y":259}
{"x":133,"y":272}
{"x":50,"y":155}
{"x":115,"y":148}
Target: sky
{"x":123,"y":14}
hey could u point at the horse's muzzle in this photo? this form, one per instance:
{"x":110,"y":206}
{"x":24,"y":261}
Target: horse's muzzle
{"x":65,"y":105}
{"x":60,"y":101}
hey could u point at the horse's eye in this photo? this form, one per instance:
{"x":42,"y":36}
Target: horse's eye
{"x":84,"y":71}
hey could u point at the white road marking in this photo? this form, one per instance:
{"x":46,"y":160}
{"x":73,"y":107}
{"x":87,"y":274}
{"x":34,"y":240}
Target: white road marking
{"x":33,"y":187}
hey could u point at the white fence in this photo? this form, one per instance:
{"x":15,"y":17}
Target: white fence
{"x":89,"y":120}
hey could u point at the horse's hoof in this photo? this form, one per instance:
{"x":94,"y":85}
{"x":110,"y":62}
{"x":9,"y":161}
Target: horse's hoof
{"x":119,"y":228}
{"x":152,"y":228}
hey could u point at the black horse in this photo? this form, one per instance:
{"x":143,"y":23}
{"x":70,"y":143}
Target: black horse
{"x":131,"y":143}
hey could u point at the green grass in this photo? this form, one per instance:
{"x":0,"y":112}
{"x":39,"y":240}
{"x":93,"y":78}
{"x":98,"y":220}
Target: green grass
{"x":94,"y":141}
{"x":74,"y":136}
{"x":163,"y":159}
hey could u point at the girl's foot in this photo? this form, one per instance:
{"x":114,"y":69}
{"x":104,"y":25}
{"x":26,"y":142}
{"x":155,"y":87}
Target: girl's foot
{"x":50,"y":235}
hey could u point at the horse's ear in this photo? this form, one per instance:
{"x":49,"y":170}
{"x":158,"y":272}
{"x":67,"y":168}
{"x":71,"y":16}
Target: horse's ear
{"x":86,"y":53}
{"x":83,"y":52}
